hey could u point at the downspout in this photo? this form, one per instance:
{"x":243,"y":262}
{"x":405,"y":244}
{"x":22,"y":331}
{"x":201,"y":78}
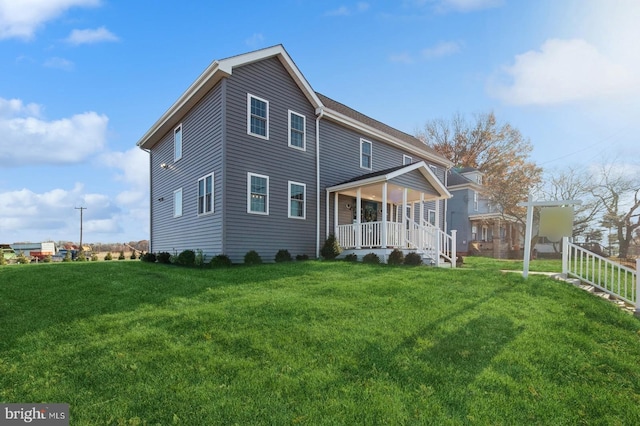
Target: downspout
{"x":319,"y":116}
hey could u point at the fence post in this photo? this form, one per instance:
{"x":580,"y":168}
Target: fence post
{"x":637,"y":311}
{"x":565,"y":256}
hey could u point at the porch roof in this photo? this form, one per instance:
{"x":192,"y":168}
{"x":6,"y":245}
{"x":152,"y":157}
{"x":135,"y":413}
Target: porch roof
{"x":492,"y":216}
{"x":373,"y":182}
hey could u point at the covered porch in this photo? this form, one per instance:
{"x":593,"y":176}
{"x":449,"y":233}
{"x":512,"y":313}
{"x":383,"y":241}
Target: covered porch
{"x":394,"y":208}
{"x":496,"y":235}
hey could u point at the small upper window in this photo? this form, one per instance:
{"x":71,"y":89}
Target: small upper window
{"x":432,"y":217}
{"x":205,"y":194}
{"x":297,"y":200}
{"x":257,"y":117}
{"x":257,"y":194}
{"x":297,"y":130}
{"x":177,"y":203}
{"x":406,"y":160}
{"x":475,"y":201}
{"x":479,"y":179}
{"x":365,"y":154}
{"x":434,"y":169}
{"x":177,"y":143}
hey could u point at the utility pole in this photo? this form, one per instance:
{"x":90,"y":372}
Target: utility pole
{"x":81,"y":210}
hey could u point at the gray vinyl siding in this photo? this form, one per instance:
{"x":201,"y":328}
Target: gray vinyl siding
{"x":202,"y":142}
{"x":340,"y":162}
{"x":273,"y":158}
{"x":459,"y":217}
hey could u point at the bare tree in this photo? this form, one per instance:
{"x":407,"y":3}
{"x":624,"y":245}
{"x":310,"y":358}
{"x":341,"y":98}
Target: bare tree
{"x":619,"y":193}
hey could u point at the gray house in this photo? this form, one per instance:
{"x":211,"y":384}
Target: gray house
{"x":250,"y":157}
{"x":482,"y":229}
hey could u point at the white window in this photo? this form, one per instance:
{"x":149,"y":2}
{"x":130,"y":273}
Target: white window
{"x":297,"y":130}
{"x":365,"y":154}
{"x":479,"y":179}
{"x":177,"y":143}
{"x":432,"y":217}
{"x":257,"y":194}
{"x":475,"y":200}
{"x":297,"y":200}
{"x":257,"y":117}
{"x":205,"y":194}
{"x":406,"y":160}
{"x":434,"y":169}
{"x":177,"y":203}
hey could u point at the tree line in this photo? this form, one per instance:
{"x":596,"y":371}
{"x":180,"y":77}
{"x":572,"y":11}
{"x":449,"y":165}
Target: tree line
{"x":610,"y":191}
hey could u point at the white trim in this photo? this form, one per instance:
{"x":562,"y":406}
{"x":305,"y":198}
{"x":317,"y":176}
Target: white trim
{"x":362,"y":142}
{"x":304,"y":131}
{"x":177,"y":129}
{"x":204,"y":204}
{"x":175,"y":213}
{"x":304,"y":200}
{"x":249,"y":116}
{"x":249,"y":176}
{"x":406,"y":157}
{"x":435,"y":216}
{"x":434,"y":169}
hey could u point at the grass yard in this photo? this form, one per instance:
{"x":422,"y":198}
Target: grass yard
{"x":129,"y":343}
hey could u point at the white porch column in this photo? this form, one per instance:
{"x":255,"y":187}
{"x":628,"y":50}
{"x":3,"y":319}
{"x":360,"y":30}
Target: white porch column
{"x":404,"y":218}
{"x":420,"y":222}
{"x":358,"y":218}
{"x":437,"y":214}
{"x":383,"y":231}
{"x":335,"y":214}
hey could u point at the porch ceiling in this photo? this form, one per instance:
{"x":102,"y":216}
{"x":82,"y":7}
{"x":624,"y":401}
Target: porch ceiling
{"x":394,"y":193}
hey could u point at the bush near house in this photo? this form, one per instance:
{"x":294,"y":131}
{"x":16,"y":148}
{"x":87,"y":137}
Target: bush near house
{"x":330,"y":250}
{"x":186,"y":258}
{"x":371,"y":258}
{"x":302,"y":257}
{"x":283,"y":256}
{"x":148,"y":257}
{"x":252,"y":258}
{"x":220,"y":261}
{"x":164,"y":257}
{"x":108,"y":256}
{"x":351,"y":257}
{"x":413,"y":259}
{"x":396,"y":257}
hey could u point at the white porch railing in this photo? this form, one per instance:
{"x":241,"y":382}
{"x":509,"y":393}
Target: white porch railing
{"x":601,"y":272}
{"x":425,"y":239}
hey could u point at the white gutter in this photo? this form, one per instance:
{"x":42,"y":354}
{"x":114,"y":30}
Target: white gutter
{"x":320,"y":114}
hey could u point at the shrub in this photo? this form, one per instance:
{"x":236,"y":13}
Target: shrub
{"x":186,"y":258}
{"x":121,"y":256}
{"x":94,"y":257}
{"x":81,"y":256}
{"x":371,"y":258}
{"x":413,"y":259}
{"x":164,"y":257}
{"x":220,"y":261}
{"x":3,"y":261}
{"x":67,"y":256}
{"x":301,"y":257}
{"x":283,"y":256}
{"x":133,"y":256}
{"x":108,"y":256}
{"x":47,"y":259}
{"x":351,"y":257}
{"x":252,"y":258}
{"x":199,"y":258}
{"x":330,"y":250}
{"x":148,"y":257}
{"x":22,"y":259}
{"x":396,"y":258}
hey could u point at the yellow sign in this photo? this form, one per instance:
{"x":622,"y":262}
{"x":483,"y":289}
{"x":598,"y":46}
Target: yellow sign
{"x":556,"y":222}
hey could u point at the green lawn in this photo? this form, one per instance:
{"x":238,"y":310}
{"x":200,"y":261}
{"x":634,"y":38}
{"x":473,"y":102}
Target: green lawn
{"x":309,"y":343}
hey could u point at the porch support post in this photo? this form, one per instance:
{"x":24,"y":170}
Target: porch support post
{"x":437,"y":214}
{"x":335,"y":214}
{"x":383,"y":231}
{"x":405,"y":220}
{"x":358,"y":218}
{"x":420,"y":222}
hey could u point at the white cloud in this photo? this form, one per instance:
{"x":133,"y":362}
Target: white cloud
{"x":564,"y":71}
{"x":444,"y":48}
{"x":255,"y":40}
{"x":133,"y":166}
{"x":90,"y":36}
{"x":468,"y":5}
{"x":402,"y":58}
{"x":21,"y":18}
{"x":29,"y":139}
{"x":360,"y":7}
{"x":59,"y":63}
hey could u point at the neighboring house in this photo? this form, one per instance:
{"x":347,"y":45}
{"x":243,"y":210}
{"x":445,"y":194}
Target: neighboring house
{"x":250,"y":157}
{"x":481,"y":228}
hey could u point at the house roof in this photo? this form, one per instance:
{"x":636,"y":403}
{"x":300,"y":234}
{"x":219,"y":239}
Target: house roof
{"x":391,"y":173}
{"x":326,"y":107}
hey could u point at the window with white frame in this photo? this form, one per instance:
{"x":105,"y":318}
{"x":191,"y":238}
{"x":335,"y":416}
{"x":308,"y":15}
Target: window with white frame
{"x":434,"y":169}
{"x":205,"y":194}
{"x":177,"y":143}
{"x":297,"y":130}
{"x":257,"y":116}
{"x":365,"y":154}
{"x":406,"y":160}
{"x":475,"y":201}
{"x":297,"y":200}
{"x":257,"y":194}
{"x":432,"y":217}
{"x":177,"y":203}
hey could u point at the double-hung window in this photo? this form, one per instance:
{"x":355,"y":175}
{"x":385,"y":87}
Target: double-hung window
{"x":257,"y":116}
{"x":297,"y":200}
{"x":297,"y":130}
{"x":177,"y":143}
{"x":365,"y":154}
{"x":177,"y":202}
{"x":475,"y":201}
{"x":205,"y":194}
{"x":257,"y":194}
{"x":406,"y":160}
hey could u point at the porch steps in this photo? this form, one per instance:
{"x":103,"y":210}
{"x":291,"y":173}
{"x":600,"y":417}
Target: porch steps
{"x":596,"y":292}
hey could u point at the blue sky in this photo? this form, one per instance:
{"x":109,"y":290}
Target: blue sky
{"x":82,"y":80}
